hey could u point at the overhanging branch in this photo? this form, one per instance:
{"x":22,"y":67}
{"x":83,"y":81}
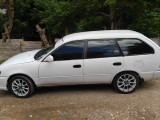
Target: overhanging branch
{"x":104,"y":14}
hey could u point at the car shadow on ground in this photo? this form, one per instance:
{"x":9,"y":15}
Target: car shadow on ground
{"x":75,"y":88}
{"x":146,"y":86}
{"x":149,"y":85}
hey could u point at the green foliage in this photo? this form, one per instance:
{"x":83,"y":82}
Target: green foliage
{"x":148,"y":23}
{"x":23,"y":23}
{"x":83,"y":15}
{"x":148,"y":20}
{"x":110,"y":2}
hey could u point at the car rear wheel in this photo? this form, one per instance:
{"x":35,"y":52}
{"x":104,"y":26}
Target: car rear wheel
{"x":126,"y":82}
{"x":21,"y":86}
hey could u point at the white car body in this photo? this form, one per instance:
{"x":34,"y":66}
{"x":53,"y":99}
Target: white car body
{"x":92,"y":71}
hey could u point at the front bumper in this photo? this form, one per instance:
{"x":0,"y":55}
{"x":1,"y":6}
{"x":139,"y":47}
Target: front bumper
{"x":3,"y":83}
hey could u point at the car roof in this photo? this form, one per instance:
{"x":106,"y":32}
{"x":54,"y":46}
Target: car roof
{"x":102,"y":35}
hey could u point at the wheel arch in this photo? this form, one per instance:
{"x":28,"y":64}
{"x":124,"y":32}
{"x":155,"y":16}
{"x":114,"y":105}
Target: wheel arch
{"x":130,"y":71}
{"x":19,"y":74}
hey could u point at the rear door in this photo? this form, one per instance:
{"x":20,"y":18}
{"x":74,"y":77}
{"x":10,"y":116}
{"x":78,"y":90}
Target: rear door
{"x":103,"y":61}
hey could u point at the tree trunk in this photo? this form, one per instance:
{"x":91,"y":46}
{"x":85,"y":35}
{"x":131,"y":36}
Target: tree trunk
{"x":50,"y":37}
{"x":43,"y":37}
{"x":66,"y":31}
{"x":9,"y":24}
{"x":113,"y":19}
{"x":114,"y":25}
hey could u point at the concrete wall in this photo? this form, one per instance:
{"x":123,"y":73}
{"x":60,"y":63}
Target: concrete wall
{"x":156,"y":40}
{"x":8,"y":50}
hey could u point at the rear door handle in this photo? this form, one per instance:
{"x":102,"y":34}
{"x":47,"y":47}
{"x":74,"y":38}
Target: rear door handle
{"x":76,"y":66}
{"x":117,"y":63}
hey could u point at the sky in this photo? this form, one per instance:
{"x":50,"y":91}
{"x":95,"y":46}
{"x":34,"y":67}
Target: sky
{"x":3,"y":11}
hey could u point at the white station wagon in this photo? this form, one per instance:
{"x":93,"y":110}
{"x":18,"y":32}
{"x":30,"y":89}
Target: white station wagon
{"x":123,"y":58}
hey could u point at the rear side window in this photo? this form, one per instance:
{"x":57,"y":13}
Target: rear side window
{"x":102,"y":48}
{"x":134,"y":47}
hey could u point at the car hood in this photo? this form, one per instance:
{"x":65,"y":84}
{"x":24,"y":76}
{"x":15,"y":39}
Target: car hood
{"x":21,"y":58}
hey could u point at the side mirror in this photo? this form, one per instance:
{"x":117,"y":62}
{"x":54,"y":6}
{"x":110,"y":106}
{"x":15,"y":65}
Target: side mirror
{"x":49,"y":59}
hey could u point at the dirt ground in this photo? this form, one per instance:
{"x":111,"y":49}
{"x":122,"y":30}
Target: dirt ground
{"x":89,"y":102}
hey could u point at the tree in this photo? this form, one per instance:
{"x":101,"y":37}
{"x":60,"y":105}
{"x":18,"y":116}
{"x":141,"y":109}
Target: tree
{"x":2,"y":20}
{"x":75,"y":16}
{"x":61,"y":17}
{"x":24,"y":25}
{"x":42,"y":36}
{"x":9,"y":24}
{"x":122,"y":13}
{"x":54,"y":15}
{"x":148,"y":21}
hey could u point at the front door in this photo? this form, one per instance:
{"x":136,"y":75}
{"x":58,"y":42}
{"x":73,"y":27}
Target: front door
{"x":67,"y":67}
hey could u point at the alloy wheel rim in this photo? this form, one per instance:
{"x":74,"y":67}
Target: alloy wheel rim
{"x":126,"y":82}
{"x":20,"y":87}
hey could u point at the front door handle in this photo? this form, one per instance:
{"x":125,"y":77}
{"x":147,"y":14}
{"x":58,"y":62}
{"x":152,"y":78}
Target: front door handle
{"x":76,"y":66}
{"x":117,"y":63}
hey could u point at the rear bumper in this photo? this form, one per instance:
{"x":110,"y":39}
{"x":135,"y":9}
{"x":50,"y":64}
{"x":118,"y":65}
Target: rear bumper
{"x":156,"y":75}
{"x":147,"y":75}
{"x":3,"y":83}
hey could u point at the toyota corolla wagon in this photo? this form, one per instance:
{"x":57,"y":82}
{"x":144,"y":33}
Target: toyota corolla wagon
{"x":122,"y":58}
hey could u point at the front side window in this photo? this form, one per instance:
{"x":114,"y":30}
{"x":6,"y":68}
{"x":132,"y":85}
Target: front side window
{"x":42,"y":53}
{"x":70,"y":51}
{"x":134,"y":47}
{"x":102,"y":48}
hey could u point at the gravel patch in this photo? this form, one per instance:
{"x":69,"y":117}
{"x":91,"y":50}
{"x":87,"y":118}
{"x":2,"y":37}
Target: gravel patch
{"x":84,"y":102}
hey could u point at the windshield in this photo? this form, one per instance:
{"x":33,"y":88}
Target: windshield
{"x":42,"y":52}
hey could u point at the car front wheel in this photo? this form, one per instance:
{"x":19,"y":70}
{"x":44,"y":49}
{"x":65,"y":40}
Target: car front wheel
{"x":21,"y":86}
{"x":126,"y":82}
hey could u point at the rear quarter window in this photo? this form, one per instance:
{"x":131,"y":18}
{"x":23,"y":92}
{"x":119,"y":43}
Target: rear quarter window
{"x":134,"y":47}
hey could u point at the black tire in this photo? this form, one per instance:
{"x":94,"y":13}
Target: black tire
{"x":21,"y":86}
{"x":126,"y":82}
